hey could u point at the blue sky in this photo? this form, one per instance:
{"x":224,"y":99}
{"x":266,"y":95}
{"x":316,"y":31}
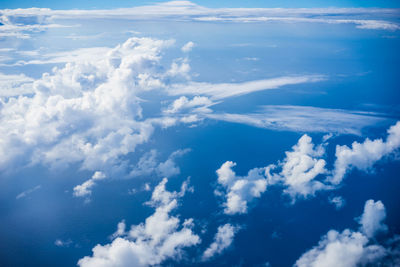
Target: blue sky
{"x":199,"y":133}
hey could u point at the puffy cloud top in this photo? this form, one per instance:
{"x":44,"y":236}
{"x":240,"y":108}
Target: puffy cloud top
{"x":160,"y":237}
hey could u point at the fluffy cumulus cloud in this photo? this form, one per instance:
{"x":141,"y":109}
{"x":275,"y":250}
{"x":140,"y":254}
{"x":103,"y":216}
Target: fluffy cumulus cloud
{"x":162,"y":236}
{"x":372,"y":219}
{"x":351,"y":248}
{"x":222,"y":240}
{"x":240,"y":190}
{"x":300,"y":169}
{"x":86,"y":112}
{"x":364,"y":155}
{"x":85,"y":189}
{"x":303,"y":173}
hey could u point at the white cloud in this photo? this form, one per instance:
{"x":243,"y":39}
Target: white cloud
{"x":300,"y":169}
{"x":364,"y":155}
{"x":370,"y":24}
{"x":63,"y":243}
{"x":121,"y":230}
{"x":85,"y":189}
{"x":346,"y":249}
{"x":187,"y":47}
{"x":81,"y":55}
{"x":86,"y":112}
{"x":372,"y":218}
{"x":200,"y":103}
{"x":15,"y":84}
{"x":27,"y":192}
{"x":304,"y":119}
{"x":240,"y":190}
{"x":169,"y":168}
{"x":338,"y":202}
{"x":363,"y":18}
{"x":160,"y":237}
{"x":222,"y":240}
{"x":225,"y":90}
{"x":349,"y":248}
{"x":148,"y":164}
{"x":302,"y":172}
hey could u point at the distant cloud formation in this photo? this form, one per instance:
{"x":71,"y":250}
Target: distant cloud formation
{"x":162,"y":236}
{"x":20,"y":23}
{"x":354,"y":248}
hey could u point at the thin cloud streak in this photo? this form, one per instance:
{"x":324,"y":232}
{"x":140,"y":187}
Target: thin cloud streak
{"x":305,"y":119}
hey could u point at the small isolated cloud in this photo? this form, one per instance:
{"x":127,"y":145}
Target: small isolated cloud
{"x":240,"y":190}
{"x":364,"y":155}
{"x":372,"y":219}
{"x":251,"y":58}
{"x":28,"y":192}
{"x":63,"y":243}
{"x":187,"y":47}
{"x":85,"y":189}
{"x":352,"y":248}
{"x":222,"y":240}
{"x":338,"y":202}
{"x":162,"y":236}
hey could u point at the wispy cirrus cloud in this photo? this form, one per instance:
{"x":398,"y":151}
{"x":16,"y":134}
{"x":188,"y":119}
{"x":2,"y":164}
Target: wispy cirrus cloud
{"x":305,"y":119}
{"x":28,"y":192}
{"x":224,"y":90}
